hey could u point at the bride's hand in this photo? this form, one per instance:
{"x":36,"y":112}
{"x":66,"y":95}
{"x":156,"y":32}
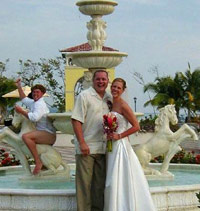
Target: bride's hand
{"x":113,"y":136}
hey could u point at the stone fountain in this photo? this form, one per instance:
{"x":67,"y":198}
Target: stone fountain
{"x":94,"y":59}
{"x":165,"y":198}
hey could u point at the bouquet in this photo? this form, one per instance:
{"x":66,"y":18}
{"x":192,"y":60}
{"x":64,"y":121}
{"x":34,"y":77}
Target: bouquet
{"x":110,"y":125}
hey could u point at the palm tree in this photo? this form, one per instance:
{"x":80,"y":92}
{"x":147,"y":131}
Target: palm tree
{"x":183,"y":90}
{"x":196,"y":91}
{"x":167,"y":91}
{"x":192,"y":90}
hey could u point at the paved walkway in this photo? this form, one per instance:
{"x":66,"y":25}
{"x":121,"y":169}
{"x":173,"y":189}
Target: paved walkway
{"x":64,"y":145}
{"x":67,"y":152}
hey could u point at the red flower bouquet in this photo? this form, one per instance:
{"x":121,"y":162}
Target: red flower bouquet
{"x":110,"y":125}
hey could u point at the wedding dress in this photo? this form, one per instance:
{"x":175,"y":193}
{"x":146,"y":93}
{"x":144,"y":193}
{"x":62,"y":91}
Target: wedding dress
{"x":126,"y":185}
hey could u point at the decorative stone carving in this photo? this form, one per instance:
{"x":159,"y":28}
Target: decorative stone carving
{"x":87,"y":82}
{"x":164,"y":142}
{"x":49,"y":156}
{"x":96,"y":33}
{"x":98,"y":7}
{"x":62,"y":122}
{"x":96,"y":59}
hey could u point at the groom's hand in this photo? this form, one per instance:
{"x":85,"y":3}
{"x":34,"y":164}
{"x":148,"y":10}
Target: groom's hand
{"x":85,"y":150}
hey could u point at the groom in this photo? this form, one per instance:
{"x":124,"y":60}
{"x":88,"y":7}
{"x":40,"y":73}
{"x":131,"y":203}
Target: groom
{"x":87,"y":118}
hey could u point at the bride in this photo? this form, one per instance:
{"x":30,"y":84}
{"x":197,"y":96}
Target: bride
{"x":126,"y":186}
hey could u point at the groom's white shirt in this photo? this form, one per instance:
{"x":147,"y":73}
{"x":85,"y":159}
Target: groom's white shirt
{"x":89,"y":110}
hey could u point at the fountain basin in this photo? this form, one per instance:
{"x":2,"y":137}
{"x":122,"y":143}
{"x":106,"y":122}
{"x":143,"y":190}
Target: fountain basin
{"x":96,"y":7}
{"x":62,"y":121}
{"x":27,"y":197}
{"x":97,"y":59}
{"x":165,"y":199}
{"x":178,"y":197}
{"x":37,"y":200}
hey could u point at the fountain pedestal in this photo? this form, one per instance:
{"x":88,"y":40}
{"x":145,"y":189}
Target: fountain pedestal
{"x":96,"y":35}
{"x":62,"y":122}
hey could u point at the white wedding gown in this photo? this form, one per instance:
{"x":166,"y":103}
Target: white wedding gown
{"x":126,"y":185}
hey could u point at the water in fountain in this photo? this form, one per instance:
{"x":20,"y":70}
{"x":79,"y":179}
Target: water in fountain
{"x":12,"y":179}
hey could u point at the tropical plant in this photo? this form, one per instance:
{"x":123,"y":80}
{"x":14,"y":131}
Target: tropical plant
{"x":191,"y":86}
{"x":183,"y":90}
{"x":166,"y":92}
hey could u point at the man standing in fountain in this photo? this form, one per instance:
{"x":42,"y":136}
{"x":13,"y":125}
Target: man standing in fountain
{"x":87,"y":118}
{"x":45,"y":133}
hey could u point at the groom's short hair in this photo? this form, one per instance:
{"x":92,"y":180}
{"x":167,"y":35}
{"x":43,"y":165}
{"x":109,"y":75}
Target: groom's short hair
{"x":99,"y":71}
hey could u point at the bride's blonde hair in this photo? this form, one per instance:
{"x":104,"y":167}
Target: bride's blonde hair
{"x":120,"y":80}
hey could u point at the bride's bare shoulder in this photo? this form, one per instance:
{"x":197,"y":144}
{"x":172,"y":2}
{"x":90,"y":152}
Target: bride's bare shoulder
{"x":124,"y":104}
{"x":125,"y":108}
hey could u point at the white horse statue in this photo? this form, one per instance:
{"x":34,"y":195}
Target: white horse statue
{"x":164,"y":141}
{"x":49,"y":156}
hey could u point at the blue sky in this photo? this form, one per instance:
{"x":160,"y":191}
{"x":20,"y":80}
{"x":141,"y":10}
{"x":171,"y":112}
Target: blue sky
{"x":162,"y":33}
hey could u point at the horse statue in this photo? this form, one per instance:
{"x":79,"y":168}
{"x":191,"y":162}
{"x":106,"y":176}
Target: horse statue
{"x":49,"y":156}
{"x":164,"y":141}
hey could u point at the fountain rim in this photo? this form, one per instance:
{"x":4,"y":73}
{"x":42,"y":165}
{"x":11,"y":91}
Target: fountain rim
{"x":97,"y":59}
{"x":96,"y":53}
{"x":64,"y":114}
{"x":94,"y":2}
{"x":69,"y":113}
{"x":184,"y":166}
{"x":71,"y":192}
{"x":38,"y":192}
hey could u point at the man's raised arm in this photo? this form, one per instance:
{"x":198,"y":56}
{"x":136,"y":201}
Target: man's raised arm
{"x":20,"y":90}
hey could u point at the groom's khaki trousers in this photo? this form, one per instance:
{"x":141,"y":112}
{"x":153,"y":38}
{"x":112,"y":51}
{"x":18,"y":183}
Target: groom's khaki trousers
{"x":90,"y":182}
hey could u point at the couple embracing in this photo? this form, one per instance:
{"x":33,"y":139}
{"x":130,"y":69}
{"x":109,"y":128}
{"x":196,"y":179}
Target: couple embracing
{"x":112,"y":181}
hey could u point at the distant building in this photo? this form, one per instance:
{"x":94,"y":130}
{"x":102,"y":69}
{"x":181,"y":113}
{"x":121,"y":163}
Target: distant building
{"x":75,"y":76}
